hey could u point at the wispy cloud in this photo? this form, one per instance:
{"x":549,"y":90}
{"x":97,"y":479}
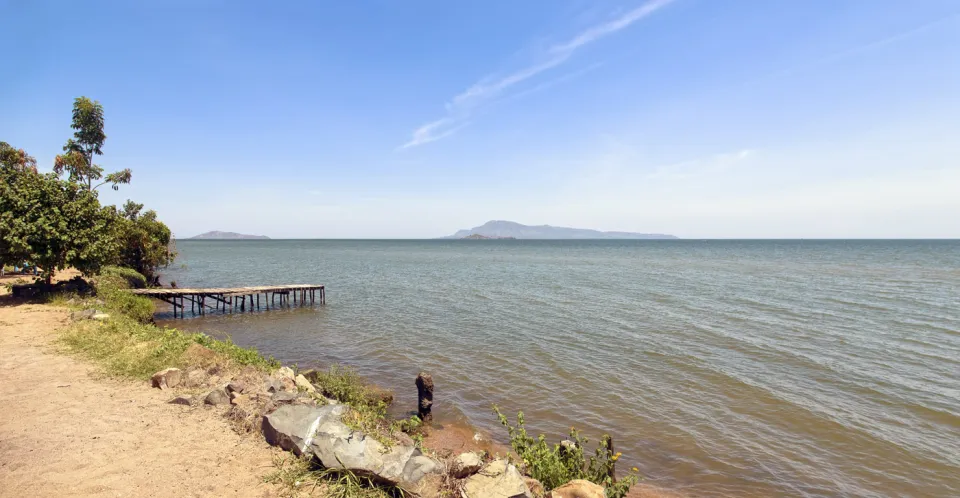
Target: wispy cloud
{"x":461,"y":107}
{"x":702,"y":166}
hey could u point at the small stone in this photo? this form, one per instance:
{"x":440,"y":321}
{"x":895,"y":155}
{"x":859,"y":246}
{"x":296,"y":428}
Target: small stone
{"x":578,"y":488}
{"x":236,"y":386}
{"x":238,"y":399}
{"x":288,"y":384}
{"x":195,"y":378}
{"x":465,"y":465}
{"x":83,"y":315}
{"x":217,"y":397}
{"x":535,"y":487}
{"x":302,"y":383}
{"x":497,"y":479}
{"x":183,"y":400}
{"x":284,"y":397}
{"x":100,"y":317}
{"x":166,"y":378}
{"x":286,"y":372}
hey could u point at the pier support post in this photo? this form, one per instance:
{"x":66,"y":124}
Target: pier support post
{"x":425,"y":397}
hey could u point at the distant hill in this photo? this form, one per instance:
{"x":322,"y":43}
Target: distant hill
{"x":510,"y":229}
{"x":216,"y":234}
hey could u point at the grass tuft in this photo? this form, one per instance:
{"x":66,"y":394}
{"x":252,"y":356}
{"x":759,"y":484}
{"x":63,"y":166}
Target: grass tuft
{"x":128,"y":345}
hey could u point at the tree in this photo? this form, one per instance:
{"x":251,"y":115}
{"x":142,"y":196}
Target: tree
{"x":145,"y":241}
{"x":16,"y":159}
{"x":87,"y":141}
{"x":54,"y":224}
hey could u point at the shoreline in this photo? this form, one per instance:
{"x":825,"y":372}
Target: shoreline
{"x":446,"y":438}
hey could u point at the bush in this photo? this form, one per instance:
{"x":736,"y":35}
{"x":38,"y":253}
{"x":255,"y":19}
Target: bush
{"x":557,"y":465}
{"x":133,"y":278}
{"x":112,"y":290}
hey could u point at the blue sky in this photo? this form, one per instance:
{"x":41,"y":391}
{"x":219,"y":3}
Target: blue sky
{"x":698,"y":118}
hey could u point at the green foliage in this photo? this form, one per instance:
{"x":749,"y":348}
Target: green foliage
{"x":87,"y":142}
{"x":111,"y":288}
{"x":16,"y":159}
{"x":144,"y":240}
{"x":126,"y":345}
{"x":556,"y":465}
{"x":134,"y":279}
{"x":53,"y":224}
{"x":369,"y":413}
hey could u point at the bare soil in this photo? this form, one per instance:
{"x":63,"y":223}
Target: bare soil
{"x":64,"y":430}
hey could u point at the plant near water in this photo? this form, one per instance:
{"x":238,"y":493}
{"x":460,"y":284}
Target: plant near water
{"x":559,"y":464}
{"x":126,"y":345}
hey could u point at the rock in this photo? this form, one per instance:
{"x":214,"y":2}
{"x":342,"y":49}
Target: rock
{"x":183,"y":400}
{"x":302,"y":383}
{"x":83,"y":315}
{"x":418,"y":467}
{"x":320,"y":431}
{"x":281,"y":384}
{"x":310,"y":374}
{"x":285,"y":372}
{"x":168,"y":377}
{"x":497,"y":479}
{"x":380,"y":394}
{"x":465,"y":465}
{"x":578,"y":488}
{"x":239,"y":399}
{"x":536,"y":489}
{"x":284,"y":397}
{"x":100,"y":317}
{"x":194,"y":378}
{"x":236,"y":386}
{"x":568,"y":445}
{"x":217,"y":397}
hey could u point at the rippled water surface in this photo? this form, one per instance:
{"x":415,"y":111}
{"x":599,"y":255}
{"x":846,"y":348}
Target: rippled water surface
{"x":742,"y":368}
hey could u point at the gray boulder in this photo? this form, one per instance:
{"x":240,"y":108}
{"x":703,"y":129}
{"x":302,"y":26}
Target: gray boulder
{"x":497,"y":479}
{"x":217,"y":397}
{"x":319,"y":431}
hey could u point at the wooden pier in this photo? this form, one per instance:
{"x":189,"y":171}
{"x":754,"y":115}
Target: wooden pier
{"x":236,"y":298}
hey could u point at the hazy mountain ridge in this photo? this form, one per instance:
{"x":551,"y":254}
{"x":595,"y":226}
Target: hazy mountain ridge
{"x":501,"y":229}
{"x":218,"y":235}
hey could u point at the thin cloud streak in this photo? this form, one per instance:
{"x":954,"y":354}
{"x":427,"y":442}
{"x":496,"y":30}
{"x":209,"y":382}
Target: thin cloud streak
{"x":459,"y":109}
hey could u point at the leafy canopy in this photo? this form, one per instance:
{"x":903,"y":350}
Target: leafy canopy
{"x":87,"y":141}
{"x":54,"y":224}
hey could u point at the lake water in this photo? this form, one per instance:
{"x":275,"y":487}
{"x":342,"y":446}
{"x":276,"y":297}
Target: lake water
{"x":738,"y":368}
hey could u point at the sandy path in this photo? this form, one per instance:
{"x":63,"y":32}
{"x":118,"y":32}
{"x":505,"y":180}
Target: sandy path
{"x":65,"y":432}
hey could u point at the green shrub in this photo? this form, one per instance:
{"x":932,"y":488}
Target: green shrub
{"x":557,"y":465}
{"x":112,"y":290}
{"x":134,"y":279}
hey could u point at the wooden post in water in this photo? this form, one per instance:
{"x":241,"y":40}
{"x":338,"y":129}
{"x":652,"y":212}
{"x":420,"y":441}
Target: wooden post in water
{"x":425,"y":397}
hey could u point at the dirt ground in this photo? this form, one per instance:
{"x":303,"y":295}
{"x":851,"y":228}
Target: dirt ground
{"x":64,"y":431}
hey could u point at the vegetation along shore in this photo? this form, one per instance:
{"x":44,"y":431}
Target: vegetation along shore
{"x":333,"y":426}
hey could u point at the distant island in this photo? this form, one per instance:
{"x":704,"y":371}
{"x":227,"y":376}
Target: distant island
{"x":218,"y":235}
{"x":477,"y":236}
{"x":512,"y":230}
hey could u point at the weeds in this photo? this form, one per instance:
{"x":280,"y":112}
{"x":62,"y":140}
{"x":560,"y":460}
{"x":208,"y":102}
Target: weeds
{"x":297,"y":476}
{"x":127,"y":345}
{"x":556,"y":465}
